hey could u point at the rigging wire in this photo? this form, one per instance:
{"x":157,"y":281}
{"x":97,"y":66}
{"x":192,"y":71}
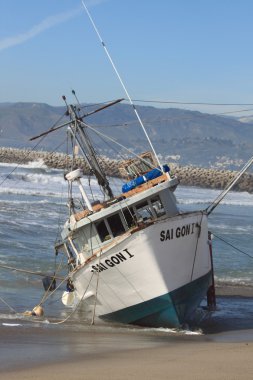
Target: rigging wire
{"x":197,"y":243}
{"x":94,"y":104}
{"x":231,"y":245}
{"x":41,"y":274}
{"x":191,"y":103}
{"x":30,"y":151}
{"x":226,"y":113}
{"x":17,"y":166}
{"x":184,"y":103}
{"x":122,"y":83}
{"x":119,"y":144}
{"x":11,"y":308}
{"x":116,"y":184}
{"x":113,"y":181}
{"x":220,"y":197}
{"x":201,"y":104}
{"x":77,"y":306}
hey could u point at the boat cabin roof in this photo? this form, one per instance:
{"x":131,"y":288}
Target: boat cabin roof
{"x":161,"y":186}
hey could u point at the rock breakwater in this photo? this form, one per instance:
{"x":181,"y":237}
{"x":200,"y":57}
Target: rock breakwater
{"x":190,"y":176}
{"x":213,"y":179}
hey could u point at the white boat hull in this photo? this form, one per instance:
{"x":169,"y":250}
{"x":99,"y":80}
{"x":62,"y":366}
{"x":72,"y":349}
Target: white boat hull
{"x":155,"y":277}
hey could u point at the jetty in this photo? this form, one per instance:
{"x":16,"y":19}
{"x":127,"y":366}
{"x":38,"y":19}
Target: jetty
{"x":187,"y":175}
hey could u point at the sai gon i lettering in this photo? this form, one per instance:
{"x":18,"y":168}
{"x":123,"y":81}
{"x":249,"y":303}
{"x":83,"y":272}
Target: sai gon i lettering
{"x":178,"y":232}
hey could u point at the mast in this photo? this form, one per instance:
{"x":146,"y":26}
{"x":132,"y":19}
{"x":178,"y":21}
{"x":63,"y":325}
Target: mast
{"x":78,"y":130}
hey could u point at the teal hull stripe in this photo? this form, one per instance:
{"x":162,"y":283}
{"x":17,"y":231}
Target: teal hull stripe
{"x":169,"y":310}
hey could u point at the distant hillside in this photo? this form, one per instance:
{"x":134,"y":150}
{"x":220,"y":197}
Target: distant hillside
{"x":185,"y":137}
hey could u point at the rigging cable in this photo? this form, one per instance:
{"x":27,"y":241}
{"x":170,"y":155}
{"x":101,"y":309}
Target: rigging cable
{"x":77,"y":306}
{"x":30,"y":151}
{"x":227,"y":113}
{"x":11,"y":308}
{"x":48,"y":292}
{"x":119,"y":144}
{"x":197,"y":242}
{"x":201,"y":104}
{"x":192,"y":103}
{"x":231,"y":245}
{"x":72,"y":312}
{"x":27,"y":271}
{"x":122,"y":83}
{"x":220,"y":197}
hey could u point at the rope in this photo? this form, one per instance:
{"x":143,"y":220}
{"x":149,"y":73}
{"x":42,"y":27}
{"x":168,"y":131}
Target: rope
{"x":11,"y":308}
{"x":49,"y":293}
{"x":194,"y":260}
{"x":96,"y":293}
{"x":73,"y":311}
{"x":231,"y":245}
{"x":28,"y":271}
{"x":119,"y":144}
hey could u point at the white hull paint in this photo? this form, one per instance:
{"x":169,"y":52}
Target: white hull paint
{"x":148,"y":264}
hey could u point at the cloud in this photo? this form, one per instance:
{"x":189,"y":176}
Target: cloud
{"x":47,"y":23}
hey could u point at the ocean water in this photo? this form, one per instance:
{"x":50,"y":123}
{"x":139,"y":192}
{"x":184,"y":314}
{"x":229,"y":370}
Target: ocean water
{"x":33,"y":207}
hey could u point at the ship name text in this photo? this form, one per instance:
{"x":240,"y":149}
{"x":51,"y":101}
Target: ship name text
{"x":178,"y":232}
{"x":112,"y":261}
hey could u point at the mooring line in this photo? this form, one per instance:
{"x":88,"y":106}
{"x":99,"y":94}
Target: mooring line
{"x":231,"y":245}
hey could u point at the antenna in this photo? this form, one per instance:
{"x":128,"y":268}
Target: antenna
{"x":77,"y":100}
{"x":122,"y":83}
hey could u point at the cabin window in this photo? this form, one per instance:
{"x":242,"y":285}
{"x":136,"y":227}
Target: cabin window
{"x":102,"y":231}
{"x":143,"y":211}
{"x":81,"y":239}
{"x":157,"y":206}
{"x":129,"y":217}
{"x":116,"y":225}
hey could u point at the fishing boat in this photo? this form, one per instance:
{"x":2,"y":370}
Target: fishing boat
{"x":133,"y":257}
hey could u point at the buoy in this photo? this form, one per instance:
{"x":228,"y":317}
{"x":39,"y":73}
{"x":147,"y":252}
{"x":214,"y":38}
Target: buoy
{"x":68,"y":298}
{"x":37,"y":311}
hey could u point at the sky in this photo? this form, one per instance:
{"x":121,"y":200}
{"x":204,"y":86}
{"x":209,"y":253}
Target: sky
{"x":187,"y":51}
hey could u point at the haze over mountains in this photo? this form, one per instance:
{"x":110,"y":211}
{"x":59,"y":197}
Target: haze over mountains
{"x":185,"y":137}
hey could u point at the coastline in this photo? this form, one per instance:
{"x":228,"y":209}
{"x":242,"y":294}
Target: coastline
{"x":64,"y":354}
{"x":73,"y":351}
{"x":188,"y":176}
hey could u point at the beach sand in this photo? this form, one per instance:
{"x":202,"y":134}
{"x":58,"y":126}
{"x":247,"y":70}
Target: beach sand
{"x":46,"y":353}
{"x":185,"y":361}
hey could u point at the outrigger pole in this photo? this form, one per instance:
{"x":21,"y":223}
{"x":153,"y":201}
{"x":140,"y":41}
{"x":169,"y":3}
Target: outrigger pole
{"x":122,"y":83}
{"x":68,"y":122}
{"x":78,"y":131}
{"x":215,"y":203}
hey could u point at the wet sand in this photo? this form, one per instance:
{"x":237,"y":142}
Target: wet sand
{"x":221,"y":347}
{"x":96,"y":353}
{"x":189,"y":361}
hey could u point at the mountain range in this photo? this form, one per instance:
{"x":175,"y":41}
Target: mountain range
{"x":181,"y":136}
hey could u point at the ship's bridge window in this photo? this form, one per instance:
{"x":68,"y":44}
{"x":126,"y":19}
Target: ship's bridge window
{"x":116,"y":225}
{"x":102,"y":231}
{"x":129,"y":217}
{"x":157,"y":206}
{"x":143,"y":211}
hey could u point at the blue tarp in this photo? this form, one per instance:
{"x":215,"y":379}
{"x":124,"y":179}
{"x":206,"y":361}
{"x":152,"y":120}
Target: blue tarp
{"x":154,"y":173}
